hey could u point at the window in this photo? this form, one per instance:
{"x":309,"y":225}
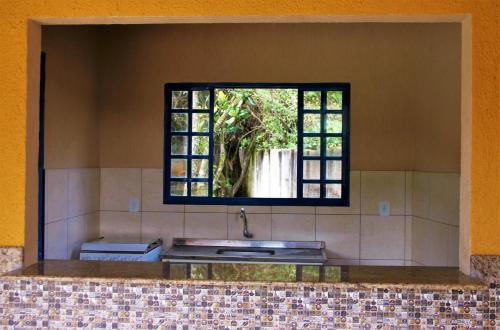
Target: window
{"x":266,"y":144}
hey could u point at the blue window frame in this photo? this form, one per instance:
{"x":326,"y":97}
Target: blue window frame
{"x":180,"y":186}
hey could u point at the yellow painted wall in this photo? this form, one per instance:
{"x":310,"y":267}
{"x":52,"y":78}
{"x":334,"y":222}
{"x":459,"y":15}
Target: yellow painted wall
{"x":14,"y":15}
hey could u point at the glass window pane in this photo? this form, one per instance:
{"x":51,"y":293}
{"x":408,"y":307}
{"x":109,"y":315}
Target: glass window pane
{"x":333,"y":169}
{"x":334,"y":190}
{"x":312,"y":123}
{"x":334,"y":146}
{"x":178,"y":189}
{"x":199,"y":145}
{"x":334,"y":100}
{"x":178,"y":145}
{"x":200,"y":122}
{"x":311,"y":170}
{"x":201,"y":99}
{"x":199,"y":189}
{"x":178,"y":168}
{"x":312,"y":146}
{"x":310,"y":190}
{"x":199,"y":168}
{"x":312,"y":100}
{"x":179,"y":122}
{"x":179,"y":99}
{"x":334,"y":123}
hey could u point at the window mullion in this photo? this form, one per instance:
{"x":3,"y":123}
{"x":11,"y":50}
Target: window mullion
{"x":190,"y":141}
{"x":322,"y":188}
{"x":211,"y":143}
{"x":300,"y":141}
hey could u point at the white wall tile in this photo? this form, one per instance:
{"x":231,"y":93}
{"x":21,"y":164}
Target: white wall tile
{"x":81,"y":229}
{"x":152,"y":192}
{"x":258,"y":224}
{"x":354,"y":198}
{"x":408,"y":192}
{"x":206,"y":208}
{"x":377,"y":186}
{"x":206,"y":225}
{"x":56,"y":195}
{"x":293,"y":210}
{"x":444,"y":197}
{"x":453,"y":242}
{"x":430,"y":242}
{"x":293,"y":227}
{"x":249,"y":209}
{"x":56,"y":240}
{"x":83,"y":191}
{"x":162,"y":225}
{"x":124,"y":226}
{"x":341,"y":235}
{"x":421,"y":195}
{"x":382,"y":237}
{"x":118,"y":185}
{"x":408,"y":238}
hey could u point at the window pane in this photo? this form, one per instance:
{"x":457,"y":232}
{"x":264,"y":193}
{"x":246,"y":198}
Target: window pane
{"x":312,"y":146}
{"x":334,"y":100}
{"x":334,"y":123}
{"x":178,"y":168}
{"x":199,"y":168}
{"x":201,"y":99}
{"x":179,"y":99}
{"x":200,"y":145}
{"x":333,"y":170}
{"x":255,"y":142}
{"x":310,"y":190}
{"x":312,"y":100}
{"x":199,"y":189}
{"x":312,"y":123}
{"x":178,"y":145}
{"x":334,"y":146}
{"x":311,"y":170}
{"x":200,"y":122}
{"x":334,"y":190}
{"x":179,"y":122}
{"x":178,"y":188}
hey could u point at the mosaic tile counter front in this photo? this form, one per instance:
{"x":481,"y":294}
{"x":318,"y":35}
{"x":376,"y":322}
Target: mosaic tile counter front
{"x":44,"y":301}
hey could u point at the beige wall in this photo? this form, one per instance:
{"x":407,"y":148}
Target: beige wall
{"x":71,"y":113}
{"x":405,"y":83}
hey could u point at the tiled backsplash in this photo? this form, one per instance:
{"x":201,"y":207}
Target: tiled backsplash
{"x":71,"y":210}
{"x":422,"y":227}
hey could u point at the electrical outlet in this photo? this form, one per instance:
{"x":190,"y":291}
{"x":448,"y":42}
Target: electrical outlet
{"x":384,"y":209}
{"x":133,"y":204}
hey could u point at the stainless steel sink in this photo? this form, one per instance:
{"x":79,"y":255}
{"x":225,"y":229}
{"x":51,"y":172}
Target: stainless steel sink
{"x":249,"y":253}
{"x":245,"y":251}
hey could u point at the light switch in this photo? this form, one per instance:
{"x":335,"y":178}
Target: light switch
{"x":133,"y":204}
{"x":384,"y":209}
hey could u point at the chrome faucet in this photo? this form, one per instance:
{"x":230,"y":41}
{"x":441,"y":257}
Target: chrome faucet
{"x":243,"y":216}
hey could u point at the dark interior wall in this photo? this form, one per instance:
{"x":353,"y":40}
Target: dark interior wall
{"x":405,"y":84}
{"x":71,"y":111}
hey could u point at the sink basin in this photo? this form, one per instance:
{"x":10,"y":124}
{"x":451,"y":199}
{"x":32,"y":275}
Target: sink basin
{"x":194,"y":250}
{"x":245,"y":252}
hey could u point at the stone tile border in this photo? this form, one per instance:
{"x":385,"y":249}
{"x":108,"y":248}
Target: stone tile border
{"x":486,"y":268}
{"x":11,"y":258}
